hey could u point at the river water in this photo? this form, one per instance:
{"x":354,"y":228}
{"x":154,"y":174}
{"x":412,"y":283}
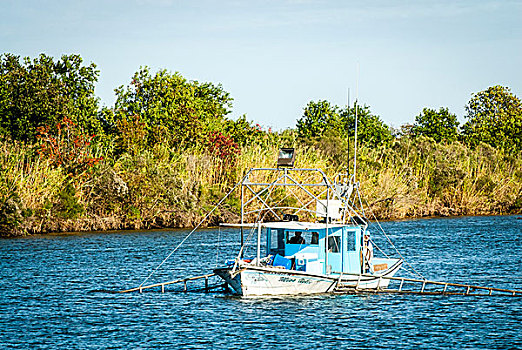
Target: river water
{"x":51,"y":294}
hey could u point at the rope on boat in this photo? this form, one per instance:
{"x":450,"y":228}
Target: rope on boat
{"x":260,"y":217}
{"x":379,"y":249}
{"x":391,"y":243}
{"x":243,"y":248}
{"x":407,"y":269}
{"x":191,"y":232}
{"x":360,"y":200}
{"x":388,"y":257}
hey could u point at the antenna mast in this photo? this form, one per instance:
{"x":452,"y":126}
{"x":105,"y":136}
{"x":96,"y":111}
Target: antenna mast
{"x":348,"y":137}
{"x":356,"y":121}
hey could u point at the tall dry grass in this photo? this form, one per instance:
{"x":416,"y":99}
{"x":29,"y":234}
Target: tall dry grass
{"x":162,"y":187}
{"x":422,"y":178}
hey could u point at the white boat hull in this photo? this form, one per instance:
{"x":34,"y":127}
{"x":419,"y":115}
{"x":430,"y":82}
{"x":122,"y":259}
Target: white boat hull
{"x":255,"y":281}
{"x":369,"y":282}
{"x":250,"y":281}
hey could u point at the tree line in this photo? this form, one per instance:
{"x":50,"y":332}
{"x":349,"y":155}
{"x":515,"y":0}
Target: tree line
{"x":154,"y":107}
{"x":169,"y":142}
{"x":166,"y":107}
{"x":493,"y":116}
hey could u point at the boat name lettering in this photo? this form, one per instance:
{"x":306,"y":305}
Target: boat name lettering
{"x":286,"y":279}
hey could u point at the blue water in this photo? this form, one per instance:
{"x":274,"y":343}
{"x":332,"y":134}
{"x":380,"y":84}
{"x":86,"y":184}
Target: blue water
{"x":48,"y":296}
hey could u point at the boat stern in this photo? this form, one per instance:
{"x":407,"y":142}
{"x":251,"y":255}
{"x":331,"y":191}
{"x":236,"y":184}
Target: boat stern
{"x":231,"y":278}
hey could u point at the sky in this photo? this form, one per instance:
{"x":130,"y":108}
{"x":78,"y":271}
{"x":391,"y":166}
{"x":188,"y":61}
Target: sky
{"x":273,"y":57}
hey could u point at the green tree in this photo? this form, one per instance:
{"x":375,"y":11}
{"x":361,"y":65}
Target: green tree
{"x":440,"y":125}
{"x":494,"y":116}
{"x":370,"y":128}
{"x":41,"y":92}
{"x":243,"y":131}
{"x":318,"y":117}
{"x":171,"y":108}
{"x":324,"y":119}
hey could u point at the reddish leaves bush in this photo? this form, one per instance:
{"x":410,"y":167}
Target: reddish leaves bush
{"x":67,"y":147}
{"x":224,"y":147}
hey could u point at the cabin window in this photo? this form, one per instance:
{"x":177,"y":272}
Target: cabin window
{"x":296,"y":237}
{"x":350,"y":241}
{"x":334,"y":244}
{"x":277,"y":242}
{"x":302,"y":237}
{"x":314,"y":240}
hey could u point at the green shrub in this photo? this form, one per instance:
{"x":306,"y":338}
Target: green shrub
{"x":68,"y":206}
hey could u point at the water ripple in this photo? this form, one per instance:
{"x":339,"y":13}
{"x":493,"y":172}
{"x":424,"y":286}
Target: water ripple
{"x":45,"y":300}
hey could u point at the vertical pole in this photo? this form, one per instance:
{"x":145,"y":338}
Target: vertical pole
{"x":348,"y":157}
{"x":206,"y":284}
{"x":402,"y":282}
{"x":258,"y":243}
{"x":242,"y":220}
{"x":162,"y":288}
{"x":185,"y":285}
{"x":343,"y":234}
{"x":445,"y":288}
{"x":356,"y":121}
{"x":363,"y":250}
{"x":326,"y":269}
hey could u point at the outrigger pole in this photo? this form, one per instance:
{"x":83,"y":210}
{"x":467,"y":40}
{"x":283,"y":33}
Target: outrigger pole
{"x":187,"y":236}
{"x":448,"y":288}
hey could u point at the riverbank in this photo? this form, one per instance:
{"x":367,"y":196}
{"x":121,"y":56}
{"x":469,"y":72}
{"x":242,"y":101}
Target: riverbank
{"x":163,"y":188}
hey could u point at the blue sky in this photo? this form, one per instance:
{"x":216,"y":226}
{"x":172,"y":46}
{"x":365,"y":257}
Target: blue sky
{"x":276,"y":56}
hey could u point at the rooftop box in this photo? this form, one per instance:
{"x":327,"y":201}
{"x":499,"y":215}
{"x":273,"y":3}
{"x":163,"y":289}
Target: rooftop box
{"x":334,"y":209}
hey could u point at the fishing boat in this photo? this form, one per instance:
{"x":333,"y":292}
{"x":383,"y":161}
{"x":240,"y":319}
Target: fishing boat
{"x":311,"y":236}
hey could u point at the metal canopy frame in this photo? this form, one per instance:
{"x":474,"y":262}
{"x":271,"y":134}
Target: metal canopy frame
{"x":306,"y":186}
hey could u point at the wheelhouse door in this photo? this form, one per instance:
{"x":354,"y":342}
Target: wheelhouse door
{"x":334,"y":251}
{"x":351,"y":248}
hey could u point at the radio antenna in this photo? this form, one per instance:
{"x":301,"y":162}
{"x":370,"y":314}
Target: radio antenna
{"x":348,"y":136}
{"x":356,"y":121}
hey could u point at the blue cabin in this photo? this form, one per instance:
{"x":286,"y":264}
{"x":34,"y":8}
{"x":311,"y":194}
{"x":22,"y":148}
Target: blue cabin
{"x":303,"y":247}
